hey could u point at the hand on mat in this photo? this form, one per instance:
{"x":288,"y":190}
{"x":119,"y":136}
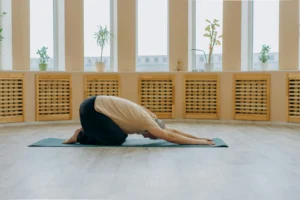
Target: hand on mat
{"x":210,"y":140}
{"x":206,"y":142}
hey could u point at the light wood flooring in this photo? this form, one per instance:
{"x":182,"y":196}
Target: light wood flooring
{"x":262,"y":162}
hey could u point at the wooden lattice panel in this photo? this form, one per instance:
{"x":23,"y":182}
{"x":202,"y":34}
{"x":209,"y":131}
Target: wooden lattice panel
{"x":293,"y":97}
{"x":53,"y":97}
{"x":11,"y":97}
{"x":95,"y":85}
{"x":251,"y":97}
{"x":201,"y":99}
{"x":156,"y":93}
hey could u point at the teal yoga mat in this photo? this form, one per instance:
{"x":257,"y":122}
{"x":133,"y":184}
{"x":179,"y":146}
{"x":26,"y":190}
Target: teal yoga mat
{"x":55,"y":142}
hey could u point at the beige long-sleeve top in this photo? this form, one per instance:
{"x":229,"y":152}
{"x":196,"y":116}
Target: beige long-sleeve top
{"x":129,"y":116}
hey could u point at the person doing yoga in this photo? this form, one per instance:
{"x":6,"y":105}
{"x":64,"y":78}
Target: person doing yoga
{"x":107,"y":120}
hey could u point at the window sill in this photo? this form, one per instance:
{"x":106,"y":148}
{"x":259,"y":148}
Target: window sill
{"x":48,"y":70}
{"x":143,"y":72}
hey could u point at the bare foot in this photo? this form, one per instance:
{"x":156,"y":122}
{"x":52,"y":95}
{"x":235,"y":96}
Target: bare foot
{"x":73,"y":139}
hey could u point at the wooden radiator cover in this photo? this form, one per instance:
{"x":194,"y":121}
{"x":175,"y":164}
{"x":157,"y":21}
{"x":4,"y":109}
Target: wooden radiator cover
{"x":107,"y":85}
{"x":293,"y":97}
{"x":201,"y":96}
{"x":156,"y":93}
{"x":53,"y":97}
{"x":251,"y":94}
{"x":11,"y":97}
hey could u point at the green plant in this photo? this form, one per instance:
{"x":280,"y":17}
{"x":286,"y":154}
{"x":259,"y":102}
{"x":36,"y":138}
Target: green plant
{"x":212,"y":34}
{"x":102,"y":36}
{"x":43,"y":55}
{"x":264,"y":54}
{"x":1,"y":29}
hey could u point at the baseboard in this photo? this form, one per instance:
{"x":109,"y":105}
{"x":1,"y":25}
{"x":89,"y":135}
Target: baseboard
{"x":39,"y":123}
{"x":199,"y":121}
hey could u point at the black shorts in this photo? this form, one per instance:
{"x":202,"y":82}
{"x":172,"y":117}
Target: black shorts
{"x":98,"y":129}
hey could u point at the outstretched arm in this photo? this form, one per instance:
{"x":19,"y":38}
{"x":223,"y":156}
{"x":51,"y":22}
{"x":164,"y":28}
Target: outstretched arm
{"x":186,"y":134}
{"x":176,"y":138}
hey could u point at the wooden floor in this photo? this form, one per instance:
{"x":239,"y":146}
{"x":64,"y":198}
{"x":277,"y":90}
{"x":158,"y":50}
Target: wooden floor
{"x":262,"y":162}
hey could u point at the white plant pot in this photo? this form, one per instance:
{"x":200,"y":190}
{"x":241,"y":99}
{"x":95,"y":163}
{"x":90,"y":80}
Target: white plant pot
{"x":264,"y":66}
{"x":209,"y":67}
{"x":100,"y":66}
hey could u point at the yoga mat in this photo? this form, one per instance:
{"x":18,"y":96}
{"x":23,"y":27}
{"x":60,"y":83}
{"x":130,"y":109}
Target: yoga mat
{"x":55,"y":142}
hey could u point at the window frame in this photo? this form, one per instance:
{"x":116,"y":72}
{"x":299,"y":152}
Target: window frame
{"x":299,"y":40}
{"x":247,"y":36}
{"x":113,"y":15}
{"x":250,"y":34}
{"x":192,"y":35}
{"x":137,"y":34}
{"x":6,"y":22}
{"x":192,"y":40}
{"x":1,"y":44}
{"x":56,"y":34}
{"x":114,"y":31}
{"x":249,"y":8}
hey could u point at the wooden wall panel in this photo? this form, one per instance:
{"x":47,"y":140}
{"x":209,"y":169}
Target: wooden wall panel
{"x":53,"y":97}
{"x":107,"y":85}
{"x":11,"y":97}
{"x":251,"y":96}
{"x":201,"y":96}
{"x":156,"y":93}
{"x":293,"y":97}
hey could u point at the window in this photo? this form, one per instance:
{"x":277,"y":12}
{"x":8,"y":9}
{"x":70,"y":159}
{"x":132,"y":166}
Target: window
{"x":266,"y":31}
{"x":41,"y":31}
{"x":152,"y":35}
{"x":262,"y":36}
{"x":99,"y":13}
{"x":5,"y":45}
{"x":204,"y":13}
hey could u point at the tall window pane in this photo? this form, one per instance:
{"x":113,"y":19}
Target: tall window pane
{"x":207,"y":29}
{"x":41,"y":31}
{"x":265,"y":32}
{"x":6,"y":43}
{"x":152,"y":35}
{"x":97,"y":13}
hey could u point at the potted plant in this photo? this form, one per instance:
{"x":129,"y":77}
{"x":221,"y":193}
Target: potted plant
{"x":212,"y":35}
{"x":1,"y":37}
{"x":264,"y":56}
{"x":1,"y":29}
{"x":102,"y":37}
{"x":43,"y":64}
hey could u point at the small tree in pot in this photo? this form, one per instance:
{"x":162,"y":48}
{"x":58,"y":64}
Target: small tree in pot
{"x":264,"y":56}
{"x":212,"y":35}
{"x":43,"y":62}
{"x":103,"y":37}
{"x":1,"y":29}
{"x":1,"y":36}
